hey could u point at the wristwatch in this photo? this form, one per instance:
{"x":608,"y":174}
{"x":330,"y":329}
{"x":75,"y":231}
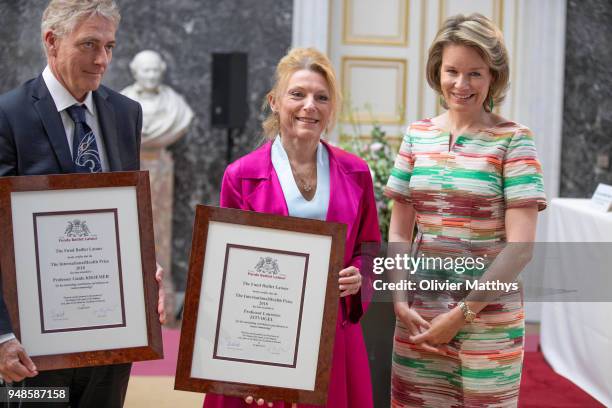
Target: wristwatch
{"x":467,"y":313}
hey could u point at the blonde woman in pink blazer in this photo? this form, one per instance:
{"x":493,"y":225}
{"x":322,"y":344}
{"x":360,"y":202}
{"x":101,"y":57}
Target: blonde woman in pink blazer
{"x":295,"y":173}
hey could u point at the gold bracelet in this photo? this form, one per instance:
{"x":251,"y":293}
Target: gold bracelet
{"x":467,"y":312}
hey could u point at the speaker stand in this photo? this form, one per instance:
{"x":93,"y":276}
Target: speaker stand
{"x":230,"y":145}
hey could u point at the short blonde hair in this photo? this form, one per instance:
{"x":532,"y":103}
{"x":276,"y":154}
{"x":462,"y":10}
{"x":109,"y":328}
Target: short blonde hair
{"x":62,"y":16}
{"x":296,"y":60}
{"x":478,"y":32}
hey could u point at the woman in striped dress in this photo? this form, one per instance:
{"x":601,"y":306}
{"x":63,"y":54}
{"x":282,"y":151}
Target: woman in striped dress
{"x":471,"y":182}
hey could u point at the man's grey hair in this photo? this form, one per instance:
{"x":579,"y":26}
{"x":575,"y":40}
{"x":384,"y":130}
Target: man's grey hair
{"x":62,"y":16}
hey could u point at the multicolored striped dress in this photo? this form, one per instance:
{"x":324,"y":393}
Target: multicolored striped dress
{"x":460,"y":194}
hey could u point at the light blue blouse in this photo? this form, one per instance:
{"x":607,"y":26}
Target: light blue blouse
{"x":297,"y":205}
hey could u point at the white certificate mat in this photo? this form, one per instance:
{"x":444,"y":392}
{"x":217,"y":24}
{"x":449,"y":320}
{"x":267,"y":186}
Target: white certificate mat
{"x":48,"y":229}
{"x":273,"y":351}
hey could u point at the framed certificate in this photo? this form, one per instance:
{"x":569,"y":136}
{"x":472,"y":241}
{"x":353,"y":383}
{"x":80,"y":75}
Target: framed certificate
{"x":261,"y":306}
{"x":77,"y":257}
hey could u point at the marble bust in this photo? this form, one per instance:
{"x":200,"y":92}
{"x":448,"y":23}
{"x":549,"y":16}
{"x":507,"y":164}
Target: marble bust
{"x":166,"y":115}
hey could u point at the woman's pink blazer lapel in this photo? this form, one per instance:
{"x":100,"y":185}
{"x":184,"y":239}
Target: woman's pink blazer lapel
{"x":267,"y":195}
{"x":344,"y":198}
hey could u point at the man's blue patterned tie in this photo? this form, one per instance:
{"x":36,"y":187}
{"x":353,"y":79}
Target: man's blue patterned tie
{"x":85,"y":152}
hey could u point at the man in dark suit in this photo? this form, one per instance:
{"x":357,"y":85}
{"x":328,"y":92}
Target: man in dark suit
{"x":64,"y":121}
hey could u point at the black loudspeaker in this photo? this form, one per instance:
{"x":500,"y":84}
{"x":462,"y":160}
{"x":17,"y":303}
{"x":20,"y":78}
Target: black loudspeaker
{"x":229,"y":90}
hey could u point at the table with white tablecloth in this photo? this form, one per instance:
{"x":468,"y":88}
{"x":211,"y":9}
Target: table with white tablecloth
{"x":576,"y":337}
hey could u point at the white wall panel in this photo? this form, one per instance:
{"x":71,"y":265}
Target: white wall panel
{"x":375,"y":88}
{"x":375,"y":22}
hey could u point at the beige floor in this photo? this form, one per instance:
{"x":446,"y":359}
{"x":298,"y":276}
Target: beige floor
{"x":158,"y":392}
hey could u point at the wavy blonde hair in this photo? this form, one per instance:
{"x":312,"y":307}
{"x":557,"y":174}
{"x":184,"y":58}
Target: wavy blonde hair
{"x":478,"y":32}
{"x":296,"y":60}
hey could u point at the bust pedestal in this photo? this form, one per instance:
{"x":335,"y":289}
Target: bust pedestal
{"x":160,"y":165}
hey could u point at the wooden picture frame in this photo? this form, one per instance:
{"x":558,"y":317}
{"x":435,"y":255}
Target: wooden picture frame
{"x":105,"y":273}
{"x":239,"y":337}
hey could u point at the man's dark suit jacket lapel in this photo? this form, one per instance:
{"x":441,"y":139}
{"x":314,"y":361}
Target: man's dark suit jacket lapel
{"x":52,"y":122}
{"x":108,"y":126}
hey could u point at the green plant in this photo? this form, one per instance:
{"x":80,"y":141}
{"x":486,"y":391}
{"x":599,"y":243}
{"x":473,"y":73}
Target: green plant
{"x":380,"y":157}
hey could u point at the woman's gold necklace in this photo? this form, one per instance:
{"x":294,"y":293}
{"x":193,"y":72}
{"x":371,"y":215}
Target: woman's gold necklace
{"x":304,"y":185}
